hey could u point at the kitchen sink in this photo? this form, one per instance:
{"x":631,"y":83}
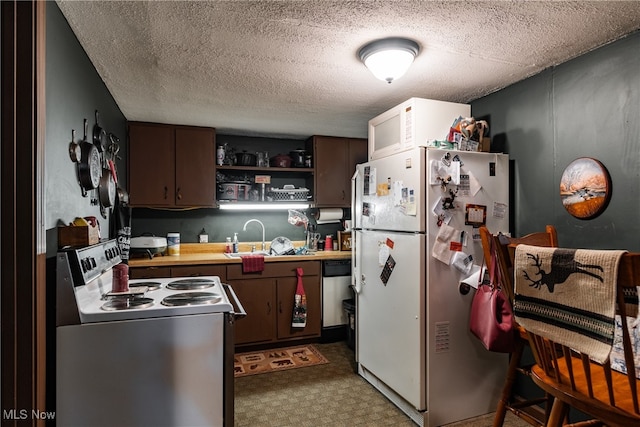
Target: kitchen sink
{"x":266,"y":254}
{"x":240,"y":254}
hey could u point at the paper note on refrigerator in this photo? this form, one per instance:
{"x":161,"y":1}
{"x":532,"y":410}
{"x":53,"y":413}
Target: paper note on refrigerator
{"x":442,"y":173}
{"x":441,"y":250}
{"x":474,"y":185}
{"x":383,"y":254}
{"x":473,"y":279}
{"x":499,"y":209}
{"x":370,"y":181}
{"x":397,"y":192}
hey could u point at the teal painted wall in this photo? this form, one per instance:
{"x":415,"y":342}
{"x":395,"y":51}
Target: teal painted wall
{"x":74,"y":90}
{"x":587,"y":107}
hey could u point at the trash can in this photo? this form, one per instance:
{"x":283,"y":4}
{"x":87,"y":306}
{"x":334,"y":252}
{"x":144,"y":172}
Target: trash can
{"x":349,"y":306}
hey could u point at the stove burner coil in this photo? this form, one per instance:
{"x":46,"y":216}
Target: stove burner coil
{"x":133,"y":292}
{"x":189,"y":284}
{"x":127,"y":304}
{"x":151,"y":286}
{"x":191,"y":298}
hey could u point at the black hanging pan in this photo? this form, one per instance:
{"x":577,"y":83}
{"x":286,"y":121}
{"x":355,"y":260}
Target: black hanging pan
{"x":89,"y":166}
{"x":99,"y":135}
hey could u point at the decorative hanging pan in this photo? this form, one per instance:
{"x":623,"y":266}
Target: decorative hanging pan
{"x":99,"y":135}
{"x":75,"y":151}
{"x":89,"y":167}
{"x":107,"y":188}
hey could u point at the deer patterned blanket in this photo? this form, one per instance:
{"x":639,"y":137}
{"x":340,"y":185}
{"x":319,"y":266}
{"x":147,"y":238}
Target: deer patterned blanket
{"x":568,"y":295}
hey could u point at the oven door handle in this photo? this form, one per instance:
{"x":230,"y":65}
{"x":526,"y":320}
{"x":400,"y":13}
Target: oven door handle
{"x":236,"y":302}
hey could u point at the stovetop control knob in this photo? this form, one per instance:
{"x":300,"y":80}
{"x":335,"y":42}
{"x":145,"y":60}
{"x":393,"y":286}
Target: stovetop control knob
{"x":88,"y":264}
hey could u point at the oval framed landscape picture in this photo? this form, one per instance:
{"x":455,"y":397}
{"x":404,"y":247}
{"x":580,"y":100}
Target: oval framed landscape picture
{"x":585,"y":188}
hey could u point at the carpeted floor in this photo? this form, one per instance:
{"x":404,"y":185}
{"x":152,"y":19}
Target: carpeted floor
{"x":324,"y":395}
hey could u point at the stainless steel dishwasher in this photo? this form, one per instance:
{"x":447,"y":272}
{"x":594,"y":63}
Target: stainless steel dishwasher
{"x":336,"y":281}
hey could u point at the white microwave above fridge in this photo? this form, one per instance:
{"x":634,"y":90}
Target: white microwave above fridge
{"x":415,"y":123}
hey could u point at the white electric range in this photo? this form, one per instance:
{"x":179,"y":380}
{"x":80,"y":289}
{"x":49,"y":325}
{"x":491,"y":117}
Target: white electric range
{"x":159,"y":354}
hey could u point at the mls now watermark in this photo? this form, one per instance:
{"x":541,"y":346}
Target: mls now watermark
{"x":25,"y":414}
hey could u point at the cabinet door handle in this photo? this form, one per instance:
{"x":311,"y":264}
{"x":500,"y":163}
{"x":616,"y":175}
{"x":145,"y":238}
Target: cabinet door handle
{"x":179,"y":195}
{"x":280,"y":306}
{"x":166,"y":192}
{"x":343,"y":195}
{"x":268,"y":307}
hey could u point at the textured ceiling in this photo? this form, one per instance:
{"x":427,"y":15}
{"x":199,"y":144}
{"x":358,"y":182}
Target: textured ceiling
{"x":290,"y":68}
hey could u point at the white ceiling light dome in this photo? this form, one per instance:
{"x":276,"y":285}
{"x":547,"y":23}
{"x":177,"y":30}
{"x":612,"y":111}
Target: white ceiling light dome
{"x":389,"y":59}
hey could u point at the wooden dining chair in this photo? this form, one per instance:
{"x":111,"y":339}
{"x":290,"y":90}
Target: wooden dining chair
{"x":607,"y":391}
{"x":525,"y":409}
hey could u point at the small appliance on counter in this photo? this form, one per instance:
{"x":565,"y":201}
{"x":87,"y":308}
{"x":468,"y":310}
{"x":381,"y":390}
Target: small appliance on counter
{"x":148,"y":245}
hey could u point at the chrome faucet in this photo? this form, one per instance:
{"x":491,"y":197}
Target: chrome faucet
{"x":264,"y":246}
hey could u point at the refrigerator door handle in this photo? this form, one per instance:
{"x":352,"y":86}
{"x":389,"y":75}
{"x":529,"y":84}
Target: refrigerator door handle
{"x":355,"y":273}
{"x":357,"y":281}
{"x":354,"y":180}
{"x":355,"y":265}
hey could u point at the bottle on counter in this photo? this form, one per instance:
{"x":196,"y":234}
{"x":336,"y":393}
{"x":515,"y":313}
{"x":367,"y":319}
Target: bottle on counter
{"x":235,"y":243}
{"x":227,"y":248}
{"x":173,"y":243}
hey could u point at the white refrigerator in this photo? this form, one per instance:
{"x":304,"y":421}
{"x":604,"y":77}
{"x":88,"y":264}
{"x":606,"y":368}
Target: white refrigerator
{"x":416,"y":240}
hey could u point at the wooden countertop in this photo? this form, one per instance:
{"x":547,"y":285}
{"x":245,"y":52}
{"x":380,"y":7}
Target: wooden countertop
{"x":213,"y":253}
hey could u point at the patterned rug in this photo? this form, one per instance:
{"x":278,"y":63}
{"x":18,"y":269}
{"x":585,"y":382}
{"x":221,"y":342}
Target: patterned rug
{"x":260,"y":362}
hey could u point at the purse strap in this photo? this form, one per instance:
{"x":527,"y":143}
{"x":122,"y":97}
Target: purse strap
{"x":495,"y":279}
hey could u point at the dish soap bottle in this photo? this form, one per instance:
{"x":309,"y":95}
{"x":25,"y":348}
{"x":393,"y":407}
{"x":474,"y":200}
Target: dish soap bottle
{"x":227,"y":248}
{"x":235,"y":243}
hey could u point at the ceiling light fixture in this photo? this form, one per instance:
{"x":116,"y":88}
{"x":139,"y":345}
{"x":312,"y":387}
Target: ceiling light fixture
{"x":388,"y":59}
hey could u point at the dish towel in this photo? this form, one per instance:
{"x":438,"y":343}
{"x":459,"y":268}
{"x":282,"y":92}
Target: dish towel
{"x":252,"y":263}
{"x":299,"y":319}
{"x":568,"y":295}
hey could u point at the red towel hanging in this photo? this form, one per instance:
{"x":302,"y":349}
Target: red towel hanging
{"x":300,"y":303}
{"x":252,"y":263}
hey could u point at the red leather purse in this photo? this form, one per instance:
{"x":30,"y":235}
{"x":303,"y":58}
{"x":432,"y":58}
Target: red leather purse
{"x":491,"y":319}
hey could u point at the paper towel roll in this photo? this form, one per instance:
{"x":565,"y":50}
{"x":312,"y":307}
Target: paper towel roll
{"x":329,"y":215}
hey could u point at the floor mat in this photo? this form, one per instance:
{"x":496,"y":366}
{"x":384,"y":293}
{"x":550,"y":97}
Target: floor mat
{"x":260,"y":362}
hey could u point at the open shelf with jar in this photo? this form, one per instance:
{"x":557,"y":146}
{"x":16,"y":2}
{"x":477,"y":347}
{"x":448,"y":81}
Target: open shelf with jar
{"x":249,"y":174}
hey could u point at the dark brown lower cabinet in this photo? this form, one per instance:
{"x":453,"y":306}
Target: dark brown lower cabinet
{"x":268,"y":299}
